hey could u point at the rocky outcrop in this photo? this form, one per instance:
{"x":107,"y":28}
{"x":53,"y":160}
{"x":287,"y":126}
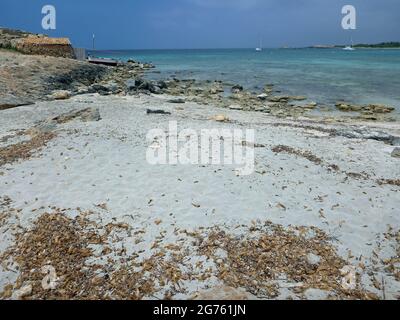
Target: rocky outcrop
{"x":37,"y":44}
{"x":396,"y":152}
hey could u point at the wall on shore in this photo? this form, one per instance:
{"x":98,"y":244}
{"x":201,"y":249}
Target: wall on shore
{"x":55,"y":50}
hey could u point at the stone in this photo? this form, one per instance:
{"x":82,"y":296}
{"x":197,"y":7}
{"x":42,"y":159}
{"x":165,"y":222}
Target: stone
{"x":45,"y":126}
{"x":262,"y":96}
{"x":9,"y":101}
{"x":379,"y":108}
{"x":221,"y":118}
{"x":235,"y":107}
{"x":149,"y":111}
{"x":177,"y":100}
{"x":130,"y":84}
{"x":224,"y":293}
{"x":91,"y":114}
{"x":22,"y":292}
{"x":236,"y":88}
{"x":112,"y":86}
{"x":396,"y":152}
{"x":279,"y":99}
{"x":99,"y":88}
{"x":61,"y":95}
{"x":297,"y":98}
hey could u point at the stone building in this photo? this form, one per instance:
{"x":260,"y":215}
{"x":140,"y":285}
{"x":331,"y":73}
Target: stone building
{"x":41,"y":45}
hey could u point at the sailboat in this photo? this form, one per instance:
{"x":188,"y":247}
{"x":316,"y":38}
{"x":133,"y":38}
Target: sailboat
{"x":349,"y":48}
{"x":259,"y":49}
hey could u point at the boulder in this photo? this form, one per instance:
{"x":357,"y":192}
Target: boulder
{"x":396,"y":152}
{"x":236,"y":88}
{"x":221,"y":118}
{"x":262,"y":96}
{"x":99,"y":88}
{"x":11,"y":101}
{"x":61,"y":95}
{"x":91,"y":114}
{"x":379,"y":108}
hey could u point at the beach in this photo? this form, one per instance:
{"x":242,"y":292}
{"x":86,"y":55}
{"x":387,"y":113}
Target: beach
{"x":317,"y":219}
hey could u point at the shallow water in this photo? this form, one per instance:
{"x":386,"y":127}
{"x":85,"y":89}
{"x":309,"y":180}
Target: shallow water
{"x":323,"y":75}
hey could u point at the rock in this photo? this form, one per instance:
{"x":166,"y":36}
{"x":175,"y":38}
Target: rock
{"x":112,"y":86}
{"x":313,"y":259}
{"x":396,"y":152}
{"x":298,"y":98}
{"x":279,"y":99}
{"x":100,"y":89}
{"x":262,"y":96}
{"x":22,"y":292}
{"x":224,"y":293}
{"x":61,"y":95}
{"x":130,"y":84}
{"x":379,"y":108}
{"x":91,"y":114}
{"x":162,"y":84}
{"x":342,"y":106}
{"x":149,"y":111}
{"x":10,"y":101}
{"x":236,"y":88}
{"x":177,"y":100}
{"x":221,"y":118}
{"x":235,"y":107}
{"x":144,"y":85}
{"x":45,"y":126}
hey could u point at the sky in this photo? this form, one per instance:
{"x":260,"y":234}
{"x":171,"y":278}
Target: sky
{"x":180,"y":24}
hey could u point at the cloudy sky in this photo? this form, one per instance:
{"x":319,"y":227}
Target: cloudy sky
{"x":151,"y":24}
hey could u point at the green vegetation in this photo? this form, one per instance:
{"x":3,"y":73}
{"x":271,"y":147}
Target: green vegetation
{"x":379,"y":45}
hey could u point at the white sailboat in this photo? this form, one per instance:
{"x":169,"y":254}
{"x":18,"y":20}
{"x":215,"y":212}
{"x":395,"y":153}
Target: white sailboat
{"x":350,"y":48}
{"x":259,"y":49}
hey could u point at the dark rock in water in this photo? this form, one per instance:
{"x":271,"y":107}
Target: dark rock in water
{"x":236,"y":88}
{"x":177,"y":100}
{"x":149,"y":111}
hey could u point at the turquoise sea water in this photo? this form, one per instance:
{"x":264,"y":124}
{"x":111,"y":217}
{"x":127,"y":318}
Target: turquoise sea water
{"x":323,"y":75}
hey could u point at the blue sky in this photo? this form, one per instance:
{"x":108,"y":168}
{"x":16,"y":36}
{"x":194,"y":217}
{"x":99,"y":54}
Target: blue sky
{"x":153,"y":24}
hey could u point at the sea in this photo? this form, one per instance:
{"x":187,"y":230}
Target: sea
{"x":362,"y":76}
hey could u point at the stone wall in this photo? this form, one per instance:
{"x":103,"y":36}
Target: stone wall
{"x":55,"y":50}
{"x":29,"y":43}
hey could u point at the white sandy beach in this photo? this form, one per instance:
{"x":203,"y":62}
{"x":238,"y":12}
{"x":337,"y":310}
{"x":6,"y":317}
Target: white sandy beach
{"x":104,"y":163}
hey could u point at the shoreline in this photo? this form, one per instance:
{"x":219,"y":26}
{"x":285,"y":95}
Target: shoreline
{"x":73,"y":170}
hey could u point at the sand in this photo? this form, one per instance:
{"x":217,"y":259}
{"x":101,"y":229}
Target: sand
{"x":103,"y":162}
